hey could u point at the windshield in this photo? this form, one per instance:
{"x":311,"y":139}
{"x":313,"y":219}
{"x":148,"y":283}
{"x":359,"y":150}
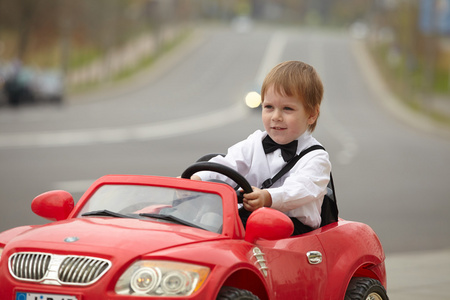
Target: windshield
{"x":192,"y":208}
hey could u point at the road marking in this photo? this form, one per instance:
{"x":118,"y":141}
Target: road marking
{"x":340,"y":133}
{"x":143,"y":132}
{"x":150,"y":131}
{"x":272,"y":56}
{"x":335,"y":127}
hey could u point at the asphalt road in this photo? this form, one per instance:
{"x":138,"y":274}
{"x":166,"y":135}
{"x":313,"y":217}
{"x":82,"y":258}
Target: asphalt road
{"x":387,"y":173}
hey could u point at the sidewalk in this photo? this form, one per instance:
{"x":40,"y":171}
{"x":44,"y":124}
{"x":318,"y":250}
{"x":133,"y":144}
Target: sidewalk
{"x":421,"y":275}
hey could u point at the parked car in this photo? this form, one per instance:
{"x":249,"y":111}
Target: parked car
{"x":150,"y":237}
{"x":21,"y":84}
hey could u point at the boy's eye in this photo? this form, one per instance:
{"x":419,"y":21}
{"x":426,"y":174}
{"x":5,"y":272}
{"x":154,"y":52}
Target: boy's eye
{"x":288,"y":108}
{"x":268,"y":106}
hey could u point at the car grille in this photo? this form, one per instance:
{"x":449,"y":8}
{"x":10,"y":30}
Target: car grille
{"x":31,"y":266}
{"x":57,"y":269}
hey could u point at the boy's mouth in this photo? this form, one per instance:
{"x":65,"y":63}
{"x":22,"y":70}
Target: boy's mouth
{"x":277,"y":128}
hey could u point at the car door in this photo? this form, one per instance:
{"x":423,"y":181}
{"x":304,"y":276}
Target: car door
{"x":294,"y":267}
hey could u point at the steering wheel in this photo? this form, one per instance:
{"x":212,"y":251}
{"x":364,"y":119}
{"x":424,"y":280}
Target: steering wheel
{"x":224,"y":170}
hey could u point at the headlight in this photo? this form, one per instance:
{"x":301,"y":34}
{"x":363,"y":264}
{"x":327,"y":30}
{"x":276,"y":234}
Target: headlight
{"x":161,"y":278}
{"x":145,"y":280}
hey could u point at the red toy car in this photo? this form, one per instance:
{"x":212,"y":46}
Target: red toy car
{"x":147,"y":237}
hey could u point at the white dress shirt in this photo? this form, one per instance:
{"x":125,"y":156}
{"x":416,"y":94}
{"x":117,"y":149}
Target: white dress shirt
{"x":298,"y":193}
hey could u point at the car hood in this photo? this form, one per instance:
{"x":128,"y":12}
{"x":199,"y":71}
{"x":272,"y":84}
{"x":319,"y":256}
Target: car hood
{"x":107,"y":236}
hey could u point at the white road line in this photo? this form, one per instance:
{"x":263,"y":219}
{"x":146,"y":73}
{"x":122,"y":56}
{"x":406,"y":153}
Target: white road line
{"x":335,"y":127}
{"x":340,"y":133}
{"x":143,"y":132}
{"x":151,"y":131}
{"x":272,"y":56}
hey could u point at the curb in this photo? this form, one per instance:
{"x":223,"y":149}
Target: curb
{"x":382,"y":93}
{"x":108,"y":90}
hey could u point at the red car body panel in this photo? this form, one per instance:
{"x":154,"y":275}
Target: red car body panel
{"x":347,"y":249}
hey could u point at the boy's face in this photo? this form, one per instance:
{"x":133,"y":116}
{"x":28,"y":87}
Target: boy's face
{"x":284,"y":117}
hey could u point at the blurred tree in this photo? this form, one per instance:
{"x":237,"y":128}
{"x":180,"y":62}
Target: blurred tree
{"x":19,"y":15}
{"x":27,"y":26}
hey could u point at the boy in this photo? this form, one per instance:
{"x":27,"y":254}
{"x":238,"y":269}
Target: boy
{"x":291,"y":95}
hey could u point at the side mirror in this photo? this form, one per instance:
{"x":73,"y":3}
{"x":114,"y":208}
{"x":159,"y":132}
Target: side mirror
{"x":268,"y":223}
{"x":53,"y":205}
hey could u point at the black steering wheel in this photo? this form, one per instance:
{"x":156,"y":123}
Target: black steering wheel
{"x":224,"y":170}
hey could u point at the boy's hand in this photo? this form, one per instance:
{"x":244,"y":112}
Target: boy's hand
{"x":195,"y":177}
{"x":257,"y":199}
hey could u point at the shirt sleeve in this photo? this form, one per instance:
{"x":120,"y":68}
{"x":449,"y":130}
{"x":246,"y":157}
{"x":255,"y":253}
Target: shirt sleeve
{"x":305,"y":185}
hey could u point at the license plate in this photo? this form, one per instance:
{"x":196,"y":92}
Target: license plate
{"x":38,"y":296}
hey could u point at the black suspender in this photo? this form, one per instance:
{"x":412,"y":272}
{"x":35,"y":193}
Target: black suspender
{"x":290,"y":164}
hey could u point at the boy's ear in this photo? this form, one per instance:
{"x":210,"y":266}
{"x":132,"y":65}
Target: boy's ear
{"x":314,"y":115}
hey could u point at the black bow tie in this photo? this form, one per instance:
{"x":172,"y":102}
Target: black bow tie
{"x":288,"y":151}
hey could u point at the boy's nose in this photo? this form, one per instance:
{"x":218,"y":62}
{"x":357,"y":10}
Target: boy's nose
{"x":277,"y":116}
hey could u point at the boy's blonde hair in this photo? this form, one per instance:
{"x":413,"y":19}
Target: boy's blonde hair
{"x":298,"y":79}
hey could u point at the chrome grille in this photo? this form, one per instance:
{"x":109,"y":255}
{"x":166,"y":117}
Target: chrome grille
{"x":31,"y":266}
{"x":57,"y":269}
{"x":80,"y":269}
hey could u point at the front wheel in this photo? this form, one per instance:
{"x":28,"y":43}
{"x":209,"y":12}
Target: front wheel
{"x":232,"y":293}
{"x":362,"y":288}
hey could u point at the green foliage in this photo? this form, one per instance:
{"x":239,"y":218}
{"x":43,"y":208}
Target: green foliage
{"x":410,"y":84}
{"x":83,"y":56}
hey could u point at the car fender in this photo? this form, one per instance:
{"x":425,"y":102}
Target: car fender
{"x":352,"y":248}
{"x":230,"y":262}
{"x":247,"y":279}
